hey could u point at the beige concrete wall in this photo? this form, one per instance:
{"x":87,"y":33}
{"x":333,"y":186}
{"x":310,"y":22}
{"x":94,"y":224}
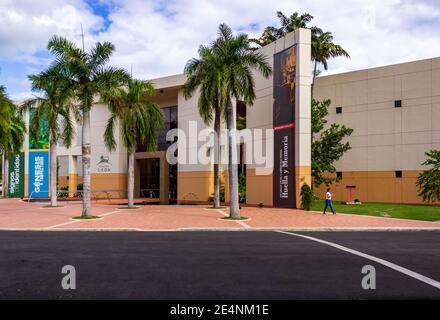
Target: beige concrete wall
{"x":376,"y":186}
{"x":385,"y":138}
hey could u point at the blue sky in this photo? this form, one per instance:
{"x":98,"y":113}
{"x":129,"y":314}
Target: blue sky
{"x":157,"y":37}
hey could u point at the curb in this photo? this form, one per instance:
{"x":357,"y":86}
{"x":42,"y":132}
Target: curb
{"x":189,"y":229}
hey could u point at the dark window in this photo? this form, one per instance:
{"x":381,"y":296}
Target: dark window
{"x":338,"y":109}
{"x":170,"y":122}
{"x":170,"y":117}
{"x":398,"y":104}
{"x":339,"y":175}
{"x":399,"y":174}
{"x":241,"y":115}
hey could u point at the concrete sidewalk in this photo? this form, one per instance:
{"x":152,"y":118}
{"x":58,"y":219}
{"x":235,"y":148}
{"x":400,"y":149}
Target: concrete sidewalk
{"x":18,"y":215}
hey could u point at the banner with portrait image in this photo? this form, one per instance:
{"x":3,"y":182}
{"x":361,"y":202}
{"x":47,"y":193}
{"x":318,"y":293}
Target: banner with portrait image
{"x":284,"y":75}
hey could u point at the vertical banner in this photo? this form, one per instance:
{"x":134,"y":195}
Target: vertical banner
{"x":40,"y":140}
{"x":284,"y":128}
{"x":38,"y":174}
{"x":16,"y":176}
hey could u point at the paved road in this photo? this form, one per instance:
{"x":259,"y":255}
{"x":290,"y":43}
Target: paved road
{"x":215,"y":265}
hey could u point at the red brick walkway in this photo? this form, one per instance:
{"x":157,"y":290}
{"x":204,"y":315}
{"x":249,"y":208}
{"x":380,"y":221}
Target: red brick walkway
{"x":18,"y":215}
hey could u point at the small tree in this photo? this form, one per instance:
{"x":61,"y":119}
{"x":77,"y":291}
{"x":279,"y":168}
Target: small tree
{"x":307,"y":197}
{"x":327,"y":145}
{"x":428,"y":181}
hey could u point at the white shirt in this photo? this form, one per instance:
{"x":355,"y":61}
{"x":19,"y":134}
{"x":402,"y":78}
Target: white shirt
{"x":328,"y":196}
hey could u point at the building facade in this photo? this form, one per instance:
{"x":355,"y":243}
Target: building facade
{"x":395,"y":114}
{"x":282,"y":106}
{"x":393,"y":110}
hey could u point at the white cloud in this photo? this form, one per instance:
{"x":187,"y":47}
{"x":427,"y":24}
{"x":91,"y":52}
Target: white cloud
{"x":26,"y":26}
{"x":158,"y":37}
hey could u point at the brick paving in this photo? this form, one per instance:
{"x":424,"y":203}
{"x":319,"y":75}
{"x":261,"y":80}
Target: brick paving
{"x":18,"y":215}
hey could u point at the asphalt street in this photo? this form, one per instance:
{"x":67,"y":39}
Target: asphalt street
{"x":215,"y":265}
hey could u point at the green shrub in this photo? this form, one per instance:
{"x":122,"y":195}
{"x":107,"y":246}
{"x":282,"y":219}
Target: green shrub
{"x":307,"y":197}
{"x":242,"y":188}
{"x":79,"y":187}
{"x":63,"y":192}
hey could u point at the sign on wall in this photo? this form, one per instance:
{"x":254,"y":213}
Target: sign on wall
{"x":38,"y":174}
{"x":104,"y":165}
{"x":284,"y":128}
{"x":16,"y":176}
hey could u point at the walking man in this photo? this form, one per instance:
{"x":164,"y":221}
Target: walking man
{"x":328,"y":201}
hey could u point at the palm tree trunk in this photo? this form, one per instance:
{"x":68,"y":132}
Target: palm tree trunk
{"x":217,"y":158}
{"x":130,"y":183}
{"x":86,"y":156}
{"x":234,"y":207}
{"x":53,"y":174}
{"x":6,"y":176}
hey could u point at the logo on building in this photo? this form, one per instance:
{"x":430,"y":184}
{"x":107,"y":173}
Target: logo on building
{"x":104,"y":165}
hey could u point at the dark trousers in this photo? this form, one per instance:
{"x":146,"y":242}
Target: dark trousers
{"x":328,"y":203}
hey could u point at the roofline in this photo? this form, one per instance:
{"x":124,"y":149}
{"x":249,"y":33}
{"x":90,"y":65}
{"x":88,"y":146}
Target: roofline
{"x":377,"y":67}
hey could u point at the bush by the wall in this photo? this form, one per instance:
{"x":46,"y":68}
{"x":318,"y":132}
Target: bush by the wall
{"x":307,"y":197}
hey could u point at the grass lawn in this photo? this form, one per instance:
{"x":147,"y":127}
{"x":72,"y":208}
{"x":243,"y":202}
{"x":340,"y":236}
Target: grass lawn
{"x":391,"y":210}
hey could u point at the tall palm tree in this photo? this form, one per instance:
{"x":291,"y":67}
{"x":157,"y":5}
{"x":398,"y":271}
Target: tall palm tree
{"x":236,"y":81}
{"x":5,"y":107}
{"x":54,"y":106}
{"x":5,"y":111}
{"x":139,"y":121}
{"x":12,"y":131}
{"x":295,"y":21}
{"x":288,"y":24}
{"x":203,"y":74}
{"x":269,"y":35}
{"x":89,"y":75}
{"x":323,"y":49}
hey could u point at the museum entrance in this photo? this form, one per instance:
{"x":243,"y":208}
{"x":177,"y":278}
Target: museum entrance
{"x":149,"y":172}
{"x":155,"y":178}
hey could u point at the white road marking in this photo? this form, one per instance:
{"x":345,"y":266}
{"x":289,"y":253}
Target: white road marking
{"x":386,"y":263}
{"x":241,"y":223}
{"x":79,"y":220}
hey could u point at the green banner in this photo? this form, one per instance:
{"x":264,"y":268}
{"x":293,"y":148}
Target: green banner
{"x":41,"y":139}
{"x":16,"y":176}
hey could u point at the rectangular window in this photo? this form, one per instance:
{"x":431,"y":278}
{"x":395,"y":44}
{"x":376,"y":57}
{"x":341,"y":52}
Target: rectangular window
{"x":338,"y":175}
{"x":241,"y":115}
{"x":338,"y":109}
{"x":398,"y":174}
{"x":398,"y":104}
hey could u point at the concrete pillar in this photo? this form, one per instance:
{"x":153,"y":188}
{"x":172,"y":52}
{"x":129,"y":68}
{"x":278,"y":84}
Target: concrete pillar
{"x":137,"y":179}
{"x":303,"y":112}
{"x":164,"y":180}
{"x":73,"y":174}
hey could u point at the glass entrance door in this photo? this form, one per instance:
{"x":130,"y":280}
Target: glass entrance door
{"x":149,"y":178}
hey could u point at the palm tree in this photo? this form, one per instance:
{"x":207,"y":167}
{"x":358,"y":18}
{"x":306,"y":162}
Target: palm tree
{"x":54,"y":106}
{"x":5,"y":107}
{"x":139,"y":121}
{"x":295,"y":21}
{"x":269,"y":35}
{"x":202,"y":74}
{"x":89,"y":76}
{"x":323,"y":49}
{"x":12,"y":131}
{"x":288,"y":24}
{"x":237,"y":61}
